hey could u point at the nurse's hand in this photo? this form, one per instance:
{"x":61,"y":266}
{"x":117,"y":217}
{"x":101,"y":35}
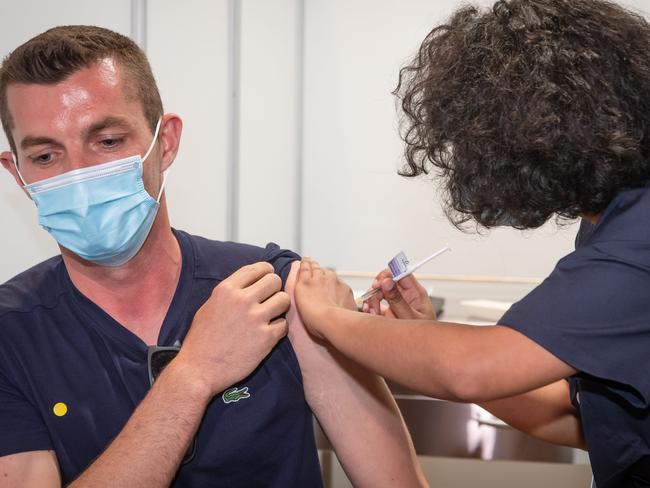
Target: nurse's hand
{"x":407,"y":299}
{"x":317,"y":291}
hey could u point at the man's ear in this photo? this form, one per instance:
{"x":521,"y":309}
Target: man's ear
{"x":7,"y":160}
{"x":170,"y":137}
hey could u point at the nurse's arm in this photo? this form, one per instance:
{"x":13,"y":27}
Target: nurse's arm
{"x":356,"y":410}
{"x":493,"y":366}
{"x":448,"y":361}
{"x":32,"y":469}
{"x":545,"y":413}
{"x":455,"y":362}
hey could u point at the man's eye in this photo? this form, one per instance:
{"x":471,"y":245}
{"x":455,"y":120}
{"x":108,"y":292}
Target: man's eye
{"x":110,"y":142}
{"x":42,"y":158}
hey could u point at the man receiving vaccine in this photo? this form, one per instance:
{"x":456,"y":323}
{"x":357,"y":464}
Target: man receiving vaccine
{"x":144,"y":356}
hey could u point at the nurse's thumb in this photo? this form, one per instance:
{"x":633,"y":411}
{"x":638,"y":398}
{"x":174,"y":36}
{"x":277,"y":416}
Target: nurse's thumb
{"x":400,"y":308}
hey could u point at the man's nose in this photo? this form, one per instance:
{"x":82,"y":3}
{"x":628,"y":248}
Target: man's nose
{"x":78,"y":158}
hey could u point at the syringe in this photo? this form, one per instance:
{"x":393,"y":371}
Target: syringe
{"x":399,"y":268}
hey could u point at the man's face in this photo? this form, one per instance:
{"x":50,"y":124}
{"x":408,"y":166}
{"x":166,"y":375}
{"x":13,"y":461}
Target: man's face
{"x":85,"y":120}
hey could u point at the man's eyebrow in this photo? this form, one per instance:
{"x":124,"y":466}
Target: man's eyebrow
{"x":31,"y":141}
{"x":107,"y":123}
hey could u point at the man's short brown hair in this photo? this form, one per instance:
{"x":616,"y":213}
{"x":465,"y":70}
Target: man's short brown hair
{"x":57,"y":53}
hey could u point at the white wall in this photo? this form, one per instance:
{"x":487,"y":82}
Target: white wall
{"x":187,"y":46}
{"x":355,"y":212}
{"x":269,"y":116}
{"x":359,"y":212}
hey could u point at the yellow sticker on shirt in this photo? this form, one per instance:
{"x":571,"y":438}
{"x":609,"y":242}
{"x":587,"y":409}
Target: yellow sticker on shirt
{"x":60,"y":409}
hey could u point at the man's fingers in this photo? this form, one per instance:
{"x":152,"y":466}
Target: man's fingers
{"x":276,"y":305}
{"x":249,"y":274}
{"x":278,"y":328}
{"x":265,"y":287}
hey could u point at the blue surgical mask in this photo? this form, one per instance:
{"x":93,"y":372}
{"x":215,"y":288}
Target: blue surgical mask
{"x":101,"y":213}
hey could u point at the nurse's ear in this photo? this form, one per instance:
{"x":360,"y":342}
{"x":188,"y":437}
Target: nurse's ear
{"x":171,"y":128}
{"x":7,"y":160}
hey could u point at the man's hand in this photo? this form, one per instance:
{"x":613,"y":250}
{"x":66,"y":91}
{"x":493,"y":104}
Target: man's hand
{"x":235,"y":328}
{"x":229,"y":336}
{"x":317,"y":290}
{"x":407,"y":299}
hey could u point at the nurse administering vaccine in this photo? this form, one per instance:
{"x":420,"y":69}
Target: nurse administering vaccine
{"x":531,"y":110}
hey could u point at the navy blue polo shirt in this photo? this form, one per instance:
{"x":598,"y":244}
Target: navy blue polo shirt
{"x":593,"y":312}
{"x":71,"y":376}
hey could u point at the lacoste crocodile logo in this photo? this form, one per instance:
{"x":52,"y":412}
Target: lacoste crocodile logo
{"x":235,"y":394}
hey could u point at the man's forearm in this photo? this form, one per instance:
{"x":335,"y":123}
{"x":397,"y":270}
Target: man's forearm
{"x":148,"y":450}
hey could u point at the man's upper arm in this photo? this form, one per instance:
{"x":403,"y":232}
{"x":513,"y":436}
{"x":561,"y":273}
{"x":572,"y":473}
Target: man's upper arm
{"x":355,"y":409}
{"x":32,"y":469}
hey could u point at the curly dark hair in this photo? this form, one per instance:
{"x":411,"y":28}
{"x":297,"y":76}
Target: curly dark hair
{"x":531,"y":109}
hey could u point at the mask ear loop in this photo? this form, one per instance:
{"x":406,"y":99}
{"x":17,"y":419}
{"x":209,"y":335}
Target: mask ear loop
{"x":17,"y":170}
{"x":153,"y":142}
{"x":162,"y":187}
{"x":155,"y":136}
